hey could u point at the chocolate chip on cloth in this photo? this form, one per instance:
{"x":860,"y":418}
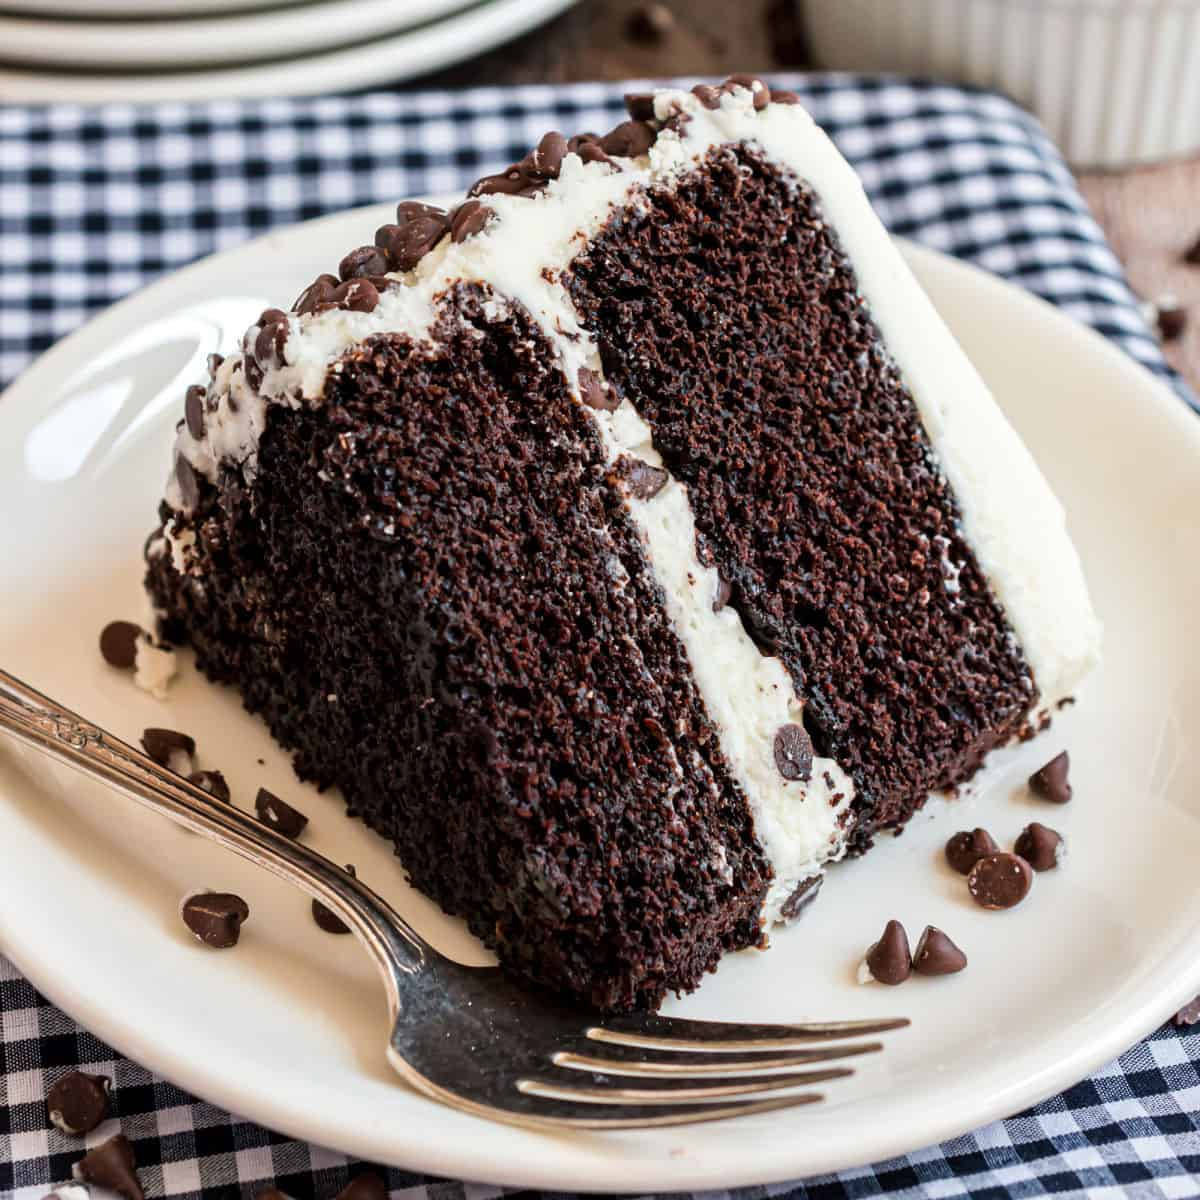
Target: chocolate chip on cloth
{"x":277,"y":815}
{"x":164,"y":745}
{"x":1040,"y":846}
{"x":793,"y":752}
{"x":1051,"y":782}
{"x":967,"y":847}
{"x":367,"y":1186}
{"x":1000,"y":880}
{"x":112,"y":1165}
{"x":936,"y":954}
{"x":328,"y":921}
{"x":888,"y":960}
{"x":118,"y":644}
{"x":212,"y":782}
{"x":78,"y":1102}
{"x":1189,"y":1014}
{"x":216,"y":918}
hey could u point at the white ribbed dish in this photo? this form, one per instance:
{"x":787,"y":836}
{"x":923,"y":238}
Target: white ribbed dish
{"x":1114,"y":81}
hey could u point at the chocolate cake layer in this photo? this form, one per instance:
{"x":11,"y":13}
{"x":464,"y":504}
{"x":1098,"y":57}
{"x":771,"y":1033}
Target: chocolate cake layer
{"x":726,"y":313}
{"x":432,"y":591}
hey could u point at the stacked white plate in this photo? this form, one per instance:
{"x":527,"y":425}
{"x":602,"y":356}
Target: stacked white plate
{"x":95,"y":51}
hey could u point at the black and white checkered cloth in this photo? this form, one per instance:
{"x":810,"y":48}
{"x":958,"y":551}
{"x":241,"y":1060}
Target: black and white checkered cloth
{"x":96,"y":202}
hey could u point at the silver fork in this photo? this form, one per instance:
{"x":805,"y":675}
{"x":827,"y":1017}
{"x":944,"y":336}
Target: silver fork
{"x":468,"y":1036}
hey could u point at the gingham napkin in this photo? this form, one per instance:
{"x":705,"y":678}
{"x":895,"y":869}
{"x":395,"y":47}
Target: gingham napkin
{"x":96,"y":202}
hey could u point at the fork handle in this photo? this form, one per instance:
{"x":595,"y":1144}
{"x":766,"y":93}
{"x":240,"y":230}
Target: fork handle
{"x":46,"y":725}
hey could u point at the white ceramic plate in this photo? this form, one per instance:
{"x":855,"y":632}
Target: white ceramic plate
{"x":139,"y":8}
{"x":226,"y":38}
{"x":388,"y":58}
{"x":289,"y":1029}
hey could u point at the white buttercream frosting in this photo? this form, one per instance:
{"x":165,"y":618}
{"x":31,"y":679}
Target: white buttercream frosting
{"x":1011,"y":519}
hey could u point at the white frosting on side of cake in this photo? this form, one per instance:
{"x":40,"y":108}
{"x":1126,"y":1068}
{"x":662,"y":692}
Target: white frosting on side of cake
{"x":1011,"y":519}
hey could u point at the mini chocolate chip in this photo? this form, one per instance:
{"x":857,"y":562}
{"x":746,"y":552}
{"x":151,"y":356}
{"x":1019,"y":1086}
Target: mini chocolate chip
{"x":1040,"y":846}
{"x":160,"y":744}
{"x":504,"y":183}
{"x":650,"y":23}
{"x":889,"y":960}
{"x":709,"y":96}
{"x":1192,"y":257}
{"x":78,"y":1102}
{"x":364,"y":261}
{"x":640,"y":105}
{"x":364,"y":1187}
{"x":936,"y":954}
{"x":215,"y":918}
{"x":212,"y":782}
{"x":418,"y":228}
{"x":755,"y":86}
{"x":1172,"y":321}
{"x":645,"y":481}
{"x":315,"y":295}
{"x":357,"y":295}
{"x":112,"y":1165}
{"x":803,"y":895}
{"x":794,"y":752}
{"x":468,"y":219}
{"x":545,"y":162}
{"x":1000,"y":880}
{"x":1052,"y":781}
{"x":189,"y":486}
{"x":252,"y":371}
{"x":213,"y":362}
{"x":329,"y":921}
{"x":1189,"y":1014}
{"x":629,"y":140}
{"x":966,"y":848}
{"x":588,"y":147}
{"x":193,"y":410}
{"x":270,"y":342}
{"x":724,"y":591}
{"x":596,"y":393}
{"x":277,"y":815}
{"x":118,"y":644}
{"x":782,"y":96}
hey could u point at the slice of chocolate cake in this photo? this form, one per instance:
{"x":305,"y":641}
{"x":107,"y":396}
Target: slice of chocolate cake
{"x":626,"y":544}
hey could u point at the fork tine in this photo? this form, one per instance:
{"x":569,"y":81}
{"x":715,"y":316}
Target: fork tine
{"x":573,"y":1115}
{"x":673,"y":1091}
{"x":681,"y":1033}
{"x":633,"y":1060}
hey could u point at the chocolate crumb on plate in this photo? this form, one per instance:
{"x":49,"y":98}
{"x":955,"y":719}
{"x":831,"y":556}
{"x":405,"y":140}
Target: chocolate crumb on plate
{"x":216,"y":918}
{"x":78,"y":1102}
{"x":367,"y":1186}
{"x":967,"y":847}
{"x":1000,"y":880}
{"x":329,"y":921}
{"x":1040,"y":846}
{"x":277,"y":815}
{"x":1052,"y":782}
{"x":804,"y":893}
{"x":112,"y":1165}
{"x":936,"y":954}
{"x":889,"y":960}
{"x":212,"y":782}
{"x":1189,"y":1014}
{"x":118,"y":644}
{"x":162,"y":744}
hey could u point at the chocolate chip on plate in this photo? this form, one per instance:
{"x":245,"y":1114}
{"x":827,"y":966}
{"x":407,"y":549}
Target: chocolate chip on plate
{"x":1051,"y":782}
{"x":368,"y":1186}
{"x":277,"y":815}
{"x":967,"y":847}
{"x":161,"y":744}
{"x":1172,"y":321}
{"x":936,"y":954}
{"x":326,"y":920}
{"x":889,"y":960}
{"x":78,"y":1102}
{"x":793,"y":752}
{"x":1040,"y":846}
{"x":118,"y":644}
{"x":112,"y":1165}
{"x":215,"y":918}
{"x":1189,"y":1014}
{"x":1000,"y":880}
{"x":212,"y":782}
{"x":804,"y":893}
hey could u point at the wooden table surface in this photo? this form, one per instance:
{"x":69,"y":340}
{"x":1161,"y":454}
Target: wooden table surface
{"x":1151,"y":215}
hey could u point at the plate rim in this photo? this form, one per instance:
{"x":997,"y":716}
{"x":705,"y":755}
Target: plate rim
{"x":425,"y":1155}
